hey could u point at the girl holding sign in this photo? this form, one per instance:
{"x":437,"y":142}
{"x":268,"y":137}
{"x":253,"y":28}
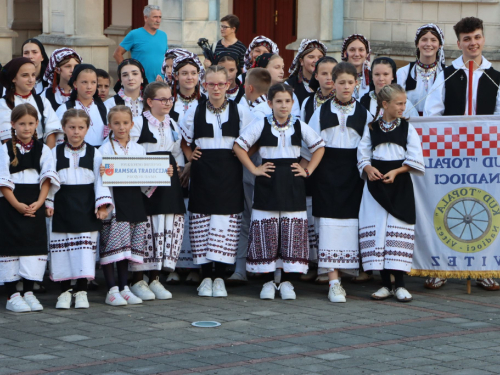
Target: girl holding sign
{"x":216,"y":190}
{"x":159,"y":135}
{"x":78,"y":208}
{"x":388,"y":152}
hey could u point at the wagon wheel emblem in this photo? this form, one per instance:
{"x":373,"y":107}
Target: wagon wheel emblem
{"x":467,"y":220}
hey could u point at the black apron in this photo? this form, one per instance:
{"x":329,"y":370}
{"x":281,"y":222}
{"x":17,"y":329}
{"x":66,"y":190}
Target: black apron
{"x":337,"y":188}
{"x":396,"y":198}
{"x":283,"y":191}
{"x":74,"y":210}
{"x":22,"y":235}
{"x":216,"y":186}
{"x":129,"y":204}
{"x":166,"y":199}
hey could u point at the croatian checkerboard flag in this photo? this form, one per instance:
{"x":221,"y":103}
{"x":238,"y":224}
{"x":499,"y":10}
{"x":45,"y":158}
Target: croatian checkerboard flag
{"x":458,"y":199}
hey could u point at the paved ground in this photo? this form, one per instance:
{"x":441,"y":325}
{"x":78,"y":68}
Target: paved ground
{"x":440,"y":332}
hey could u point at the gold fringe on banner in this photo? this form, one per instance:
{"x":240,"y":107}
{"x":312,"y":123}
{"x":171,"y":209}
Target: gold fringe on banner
{"x":456,"y":274}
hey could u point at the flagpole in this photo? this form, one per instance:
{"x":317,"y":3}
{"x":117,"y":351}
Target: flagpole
{"x":471,"y":73}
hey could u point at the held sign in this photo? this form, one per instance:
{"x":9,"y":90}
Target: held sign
{"x":136,"y":170}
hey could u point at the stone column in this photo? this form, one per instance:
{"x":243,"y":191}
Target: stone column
{"x":6,"y":34}
{"x":78,"y":25}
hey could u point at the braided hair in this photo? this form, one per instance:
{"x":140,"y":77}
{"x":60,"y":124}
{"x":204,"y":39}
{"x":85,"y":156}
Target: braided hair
{"x":120,"y":109}
{"x":17,"y":113}
{"x":386,"y":94}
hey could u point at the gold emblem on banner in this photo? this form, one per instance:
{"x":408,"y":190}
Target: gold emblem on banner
{"x":467,"y":219}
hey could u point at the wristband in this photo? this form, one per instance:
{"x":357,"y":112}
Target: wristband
{"x":307,"y":172}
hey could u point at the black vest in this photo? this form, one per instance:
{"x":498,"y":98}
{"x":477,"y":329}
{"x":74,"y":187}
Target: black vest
{"x":85,"y":162}
{"x":100,"y":106}
{"x":456,"y":91}
{"x":309,"y":108}
{"x":365,"y":101}
{"x":328,"y":119}
{"x":268,"y":139}
{"x":51,"y":97}
{"x":411,"y":83}
{"x":30,"y":160}
{"x":298,"y":88}
{"x":146,"y":134}
{"x":118,"y":100}
{"x":231,"y":128}
{"x":398,"y":136}
{"x":241,"y":92}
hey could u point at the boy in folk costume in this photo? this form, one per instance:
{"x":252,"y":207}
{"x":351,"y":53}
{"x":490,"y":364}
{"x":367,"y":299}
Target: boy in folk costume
{"x":418,"y":76}
{"x":451,"y":97}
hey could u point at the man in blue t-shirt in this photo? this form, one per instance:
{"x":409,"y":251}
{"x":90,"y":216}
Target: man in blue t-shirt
{"x":147,"y":44}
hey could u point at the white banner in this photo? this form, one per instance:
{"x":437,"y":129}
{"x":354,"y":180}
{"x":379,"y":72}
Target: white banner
{"x":136,"y":170}
{"x":457,"y":201}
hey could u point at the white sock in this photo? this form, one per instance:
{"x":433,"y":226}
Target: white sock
{"x":332,"y":282}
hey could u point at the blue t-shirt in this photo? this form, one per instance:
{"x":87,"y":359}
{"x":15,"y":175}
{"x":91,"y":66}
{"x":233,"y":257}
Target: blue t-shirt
{"x":148,"y":49}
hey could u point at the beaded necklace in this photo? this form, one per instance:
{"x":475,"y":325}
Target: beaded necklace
{"x":217,"y":111}
{"x":26,"y":146}
{"x":346,"y":107}
{"x":320,"y":98}
{"x":187,"y":99}
{"x":305,"y":81}
{"x":426,"y":71}
{"x":386,"y":127}
{"x":281,"y":128}
{"x":23,"y":96}
{"x":77,"y":148}
{"x":234,"y":90}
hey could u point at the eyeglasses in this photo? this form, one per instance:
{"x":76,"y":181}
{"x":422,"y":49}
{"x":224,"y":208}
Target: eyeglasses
{"x":225,"y":27}
{"x":165,"y":101}
{"x":220,"y":85}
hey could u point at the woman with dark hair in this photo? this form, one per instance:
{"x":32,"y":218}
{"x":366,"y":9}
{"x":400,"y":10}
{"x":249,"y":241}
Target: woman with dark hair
{"x":231,"y":62}
{"x":356,"y":50}
{"x":129,"y":87}
{"x":34,"y":50}
{"x":418,"y":77}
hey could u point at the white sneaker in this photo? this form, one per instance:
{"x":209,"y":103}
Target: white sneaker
{"x":218,"y":288}
{"x":141,"y":290}
{"x":130,"y":297}
{"x":382,"y":293}
{"x":286,"y":290}
{"x":81,"y":300}
{"x":402,"y":295}
{"x":16,"y":303}
{"x":64,"y":300}
{"x":237,"y":278}
{"x":173,"y":278}
{"x":205,"y":288}
{"x":114,"y":298}
{"x":32,"y":301}
{"x":159,"y":290}
{"x":268,"y":290}
{"x":336,"y":293}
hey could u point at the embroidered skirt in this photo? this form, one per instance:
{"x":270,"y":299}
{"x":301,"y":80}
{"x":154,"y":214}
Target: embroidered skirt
{"x":186,"y":255}
{"x":24,"y":267}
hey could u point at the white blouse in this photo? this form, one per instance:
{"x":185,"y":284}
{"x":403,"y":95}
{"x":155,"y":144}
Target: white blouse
{"x":136,"y":106}
{"x":181,"y":109}
{"x":39,"y":87}
{"x":218,"y":141}
{"x":52,"y":123}
{"x":60,"y":98}
{"x":168,"y":139}
{"x":413,"y":156}
{"x":285,"y":150}
{"x":420,"y":91}
{"x":74,"y":175}
{"x":95,"y":134}
{"x":115,"y":148}
{"x":29,"y":176}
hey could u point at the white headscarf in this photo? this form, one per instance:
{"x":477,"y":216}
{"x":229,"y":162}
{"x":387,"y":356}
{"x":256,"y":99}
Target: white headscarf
{"x":440,"y":56}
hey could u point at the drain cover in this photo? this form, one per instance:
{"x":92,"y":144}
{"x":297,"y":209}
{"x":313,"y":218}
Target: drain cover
{"x":205,"y":324}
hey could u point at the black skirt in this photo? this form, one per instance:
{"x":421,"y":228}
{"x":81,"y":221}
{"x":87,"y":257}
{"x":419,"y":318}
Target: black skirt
{"x":22,"y":235}
{"x":129,"y":204}
{"x":396,"y":198}
{"x":216,"y":186}
{"x":337,"y":188}
{"x":166,"y":199}
{"x":74,"y":210}
{"x":283,"y":191}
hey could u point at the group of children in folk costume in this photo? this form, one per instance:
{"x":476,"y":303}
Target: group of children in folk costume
{"x":341,"y":139}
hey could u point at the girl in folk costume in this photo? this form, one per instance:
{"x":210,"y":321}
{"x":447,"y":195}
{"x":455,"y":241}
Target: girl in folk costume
{"x":85,"y":96}
{"x":418,"y":77}
{"x":188,"y":72}
{"x":278,"y":231}
{"x":337,"y":188}
{"x":124,"y":233}
{"x":356,"y":50}
{"x":388,"y":152}
{"x":236,"y":90}
{"x":259,"y":45}
{"x":58,"y":73}
{"x":19,"y":77}
{"x":78,"y":208}
{"x":34,"y":50}
{"x":167,"y":67}
{"x":216,"y":188}
{"x":322,"y":83}
{"x":27,"y":174}
{"x":129,"y":87}
{"x":275,"y":65}
{"x":383,"y":73}
{"x":303,"y":66}
{"x":165,"y":208}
